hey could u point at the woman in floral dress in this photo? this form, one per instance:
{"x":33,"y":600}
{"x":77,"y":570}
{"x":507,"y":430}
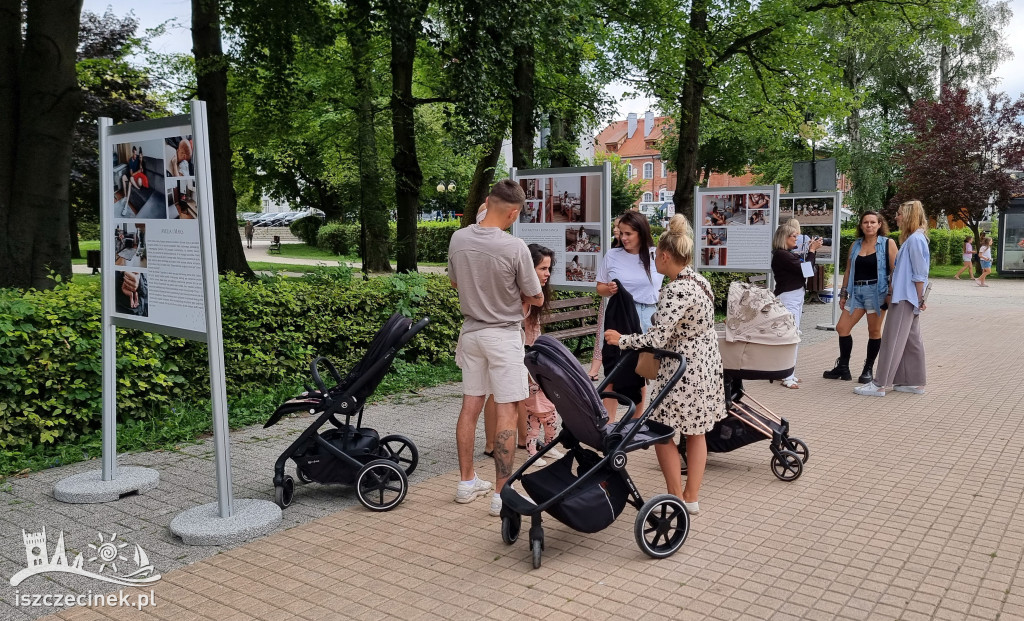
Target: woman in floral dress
{"x":684,"y":323}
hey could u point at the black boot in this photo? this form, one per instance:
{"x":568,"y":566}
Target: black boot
{"x":842,"y":368}
{"x":867,"y":374}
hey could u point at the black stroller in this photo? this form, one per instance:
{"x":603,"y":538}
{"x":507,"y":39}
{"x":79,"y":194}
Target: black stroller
{"x":748,"y":421}
{"x":352,"y":455}
{"x":590,"y":499}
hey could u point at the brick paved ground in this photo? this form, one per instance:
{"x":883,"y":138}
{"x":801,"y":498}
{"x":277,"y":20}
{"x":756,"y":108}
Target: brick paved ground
{"x":909,"y":508}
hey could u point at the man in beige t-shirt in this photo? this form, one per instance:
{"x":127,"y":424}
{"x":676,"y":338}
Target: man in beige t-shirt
{"x":494,"y":275}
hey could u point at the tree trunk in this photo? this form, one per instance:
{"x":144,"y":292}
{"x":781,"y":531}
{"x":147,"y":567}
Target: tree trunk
{"x":75,"y":250}
{"x":690,"y":103}
{"x":557,"y":139}
{"x":482,"y":178}
{"x":212,"y":82}
{"x":523,"y":103}
{"x":36,"y":163}
{"x":372,"y":217}
{"x":405,"y":19}
{"x":943,"y":69}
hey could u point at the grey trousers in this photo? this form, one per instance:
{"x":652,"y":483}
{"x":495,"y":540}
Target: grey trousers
{"x":901,"y":357}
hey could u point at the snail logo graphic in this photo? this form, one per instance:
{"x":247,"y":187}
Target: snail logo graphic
{"x":110,"y":554}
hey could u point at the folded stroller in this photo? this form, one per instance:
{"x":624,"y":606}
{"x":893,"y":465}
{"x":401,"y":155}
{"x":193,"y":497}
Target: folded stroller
{"x":591,"y":498}
{"x":350,"y":454}
{"x":759,"y":343}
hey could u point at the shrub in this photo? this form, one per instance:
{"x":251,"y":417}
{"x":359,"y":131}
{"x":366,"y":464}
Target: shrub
{"x":50,"y":360}
{"x":88,"y":231}
{"x":306,"y":229}
{"x":432,"y":239}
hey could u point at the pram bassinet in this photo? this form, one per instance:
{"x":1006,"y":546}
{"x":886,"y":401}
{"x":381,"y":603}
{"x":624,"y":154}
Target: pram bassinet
{"x":759,"y":343}
{"x":590,"y":498}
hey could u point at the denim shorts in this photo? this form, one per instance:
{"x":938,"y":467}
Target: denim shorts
{"x":986,"y":265}
{"x":866,"y":297}
{"x":646,"y":313}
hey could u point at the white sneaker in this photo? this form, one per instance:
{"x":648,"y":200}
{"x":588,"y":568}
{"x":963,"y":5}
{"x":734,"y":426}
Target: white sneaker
{"x":692,"y":508}
{"x":495,"y":505}
{"x":917,"y":390}
{"x":540,"y":463}
{"x":555,"y":453}
{"x":869,"y":390}
{"x":468,"y":491}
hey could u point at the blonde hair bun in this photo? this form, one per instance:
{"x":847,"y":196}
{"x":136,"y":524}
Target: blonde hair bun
{"x":679,"y":225}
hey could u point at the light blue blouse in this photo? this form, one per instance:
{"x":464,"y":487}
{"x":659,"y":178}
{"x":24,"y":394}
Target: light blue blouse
{"x":912,"y":263}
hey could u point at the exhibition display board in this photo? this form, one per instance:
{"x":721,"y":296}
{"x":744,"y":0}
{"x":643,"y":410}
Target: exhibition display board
{"x":569,"y":211}
{"x":734,"y":228}
{"x":818,"y":215}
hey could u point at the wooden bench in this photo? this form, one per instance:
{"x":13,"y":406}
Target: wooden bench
{"x":578,"y":310}
{"x":275,"y":245}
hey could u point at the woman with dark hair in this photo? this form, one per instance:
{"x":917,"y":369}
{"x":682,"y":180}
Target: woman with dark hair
{"x":540,"y":412}
{"x":631,"y":265}
{"x":865,"y":292}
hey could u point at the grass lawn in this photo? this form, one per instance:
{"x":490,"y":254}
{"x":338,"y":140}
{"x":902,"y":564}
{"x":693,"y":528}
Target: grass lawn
{"x":305,"y":251}
{"x":83,"y":246}
{"x":270,"y":266}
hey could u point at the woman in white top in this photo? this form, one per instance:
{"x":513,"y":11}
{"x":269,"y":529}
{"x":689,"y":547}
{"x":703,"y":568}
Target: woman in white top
{"x":632,"y":265}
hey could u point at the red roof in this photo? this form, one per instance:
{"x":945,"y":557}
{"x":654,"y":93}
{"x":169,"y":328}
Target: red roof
{"x":636,"y":146}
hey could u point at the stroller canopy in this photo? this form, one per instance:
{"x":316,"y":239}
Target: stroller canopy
{"x":755,"y":315}
{"x":565,"y":383}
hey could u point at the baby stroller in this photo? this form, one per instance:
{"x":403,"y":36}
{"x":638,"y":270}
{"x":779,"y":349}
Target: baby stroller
{"x":756,"y":345}
{"x":590,"y":499}
{"x":353,"y":455}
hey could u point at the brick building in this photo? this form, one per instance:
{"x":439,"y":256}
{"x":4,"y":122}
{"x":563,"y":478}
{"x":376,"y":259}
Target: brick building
{"x":635,"y":140}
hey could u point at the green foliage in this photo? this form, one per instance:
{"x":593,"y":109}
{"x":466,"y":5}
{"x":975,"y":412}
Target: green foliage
{"x":50,"y":367}
{"x":306,"y":229}
{"x":943,"y":244}
{"x":88,"y":231}
{"x":625,"y":192}
{"x":432,"y":239}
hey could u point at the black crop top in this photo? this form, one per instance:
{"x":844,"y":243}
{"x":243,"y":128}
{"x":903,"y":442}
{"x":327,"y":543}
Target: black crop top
{"x":866,"y":268}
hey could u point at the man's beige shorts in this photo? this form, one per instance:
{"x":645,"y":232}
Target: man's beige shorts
{"x":492,"y":364}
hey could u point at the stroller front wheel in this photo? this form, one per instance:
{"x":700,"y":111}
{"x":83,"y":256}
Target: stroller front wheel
{"x":787,"y":466}
{"x":510,"y":526}
{"x":284,"y":492}
{"x":661,"y":526}
{"x":381,"y":485}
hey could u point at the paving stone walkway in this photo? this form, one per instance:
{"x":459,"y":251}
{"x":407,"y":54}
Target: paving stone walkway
{"x":909,"y":508}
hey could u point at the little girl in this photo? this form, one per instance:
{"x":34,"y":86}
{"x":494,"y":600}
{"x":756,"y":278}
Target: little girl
{"x":985,"y":256}
{"x":540,"y":412}
{"x":967,"y":256}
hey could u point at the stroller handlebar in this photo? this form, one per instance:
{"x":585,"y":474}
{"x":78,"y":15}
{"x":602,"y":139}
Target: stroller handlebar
{"x":658,"y":353}
{"x":315,"y":372}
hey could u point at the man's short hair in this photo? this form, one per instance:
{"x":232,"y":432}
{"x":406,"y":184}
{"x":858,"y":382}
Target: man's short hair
{"x":508,"y":191}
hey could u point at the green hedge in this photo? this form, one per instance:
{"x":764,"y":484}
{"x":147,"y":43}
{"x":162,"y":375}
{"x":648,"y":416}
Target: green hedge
{"x":944,"y":245}
{"x":88,"y":230}
{"x":432,"y":239}
{"x":306,"y":229}
{"x":50,"y":365}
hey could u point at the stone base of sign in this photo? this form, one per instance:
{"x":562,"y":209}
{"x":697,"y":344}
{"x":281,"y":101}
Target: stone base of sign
{"x":203,"y":526}
{"x":89,"y":487}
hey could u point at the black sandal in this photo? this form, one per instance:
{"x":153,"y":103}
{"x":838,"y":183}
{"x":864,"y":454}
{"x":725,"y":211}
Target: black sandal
{"x":488,"y":453}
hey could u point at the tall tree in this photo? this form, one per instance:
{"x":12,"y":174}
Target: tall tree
{"x":39,"y":103}
{"x":962,"y":155}
{"x":212,"y":82}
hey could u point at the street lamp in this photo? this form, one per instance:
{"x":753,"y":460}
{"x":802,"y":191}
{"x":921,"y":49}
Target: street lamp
{"x":446,"y":189}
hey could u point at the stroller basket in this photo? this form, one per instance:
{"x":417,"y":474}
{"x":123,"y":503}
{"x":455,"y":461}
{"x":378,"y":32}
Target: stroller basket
{"x":589,"y":508}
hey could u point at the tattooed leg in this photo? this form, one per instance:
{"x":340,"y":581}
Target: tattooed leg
{"x":504,"y":443}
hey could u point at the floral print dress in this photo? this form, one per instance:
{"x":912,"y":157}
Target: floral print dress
{"x":685,"y":323}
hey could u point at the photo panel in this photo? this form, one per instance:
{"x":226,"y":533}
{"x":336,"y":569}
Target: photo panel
{"x":181,"y":199}
{"x":757,"y":217}
{"x":138,"y":180}
{"x":817,"y":210}
{"x":713,"y":257}
{"x":723,"y":209}
{"x":582,"y":239}
{"x":824,"y":254}
{"x":178,"y":156}
{"x":581,"y":268}
{"x":714,"y":236}
{"x":130,"y":244}
{"x":131,"y":293}
{"x":785,"y":209}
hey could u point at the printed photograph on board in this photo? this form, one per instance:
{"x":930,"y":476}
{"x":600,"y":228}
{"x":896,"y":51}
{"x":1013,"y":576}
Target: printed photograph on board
{"x":582,"y":239}
{"x":808,"y":233}
{"x":713,"y":257}
{"x":813,"y":210}
{"x":723,"y":209}
{"x":178,"y":156}
{"x":181,"y":199}
{"x":531,"y":211}
{"x":561,"y":199}
{"x":138,"y":180}
{"x":714,"y":236}
{"x":130,"y":244}
{"x":785,"y":209}
{"x":131,"y":293}
{"x":581,"y":268}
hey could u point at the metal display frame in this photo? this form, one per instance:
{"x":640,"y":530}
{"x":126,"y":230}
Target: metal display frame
{"x":698,"y":225}
{"x":837,"y":204}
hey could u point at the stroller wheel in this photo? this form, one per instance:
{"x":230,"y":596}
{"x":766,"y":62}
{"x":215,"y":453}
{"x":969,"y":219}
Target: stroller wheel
{"x":661,"y":526}
{"x":510,"y":526}
{"x":800,"y":448}
{"x":284,"y":492}
{"x":787,"y":466}
{"x":381,"y":485}
{"x":537,"y":547}
{"x":302,"y":476}
{"x":400,"y":450}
